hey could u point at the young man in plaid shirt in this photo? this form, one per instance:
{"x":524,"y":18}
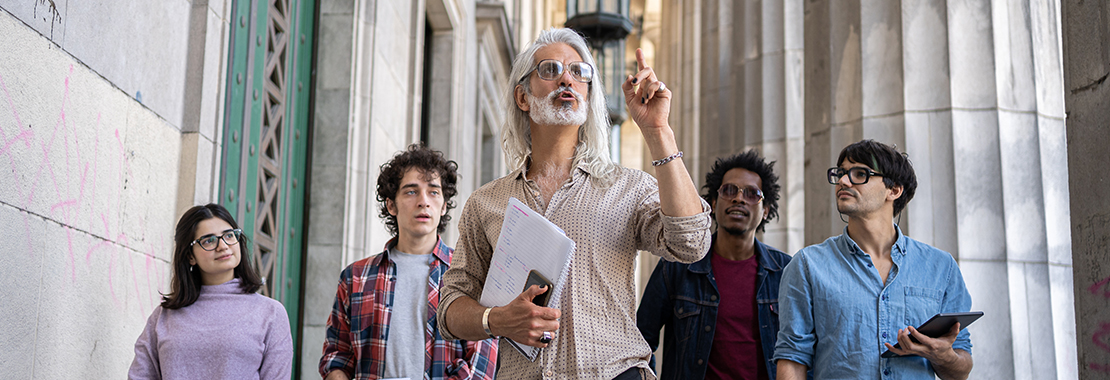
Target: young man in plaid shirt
{"x":383,"y":323}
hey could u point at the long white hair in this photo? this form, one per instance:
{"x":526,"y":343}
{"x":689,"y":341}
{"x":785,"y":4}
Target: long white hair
{"x":593,"y":136}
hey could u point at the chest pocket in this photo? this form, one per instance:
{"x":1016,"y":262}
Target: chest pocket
{"x":922,"y":304}
{"x":686,"y":318}
{"x":685,"y":309}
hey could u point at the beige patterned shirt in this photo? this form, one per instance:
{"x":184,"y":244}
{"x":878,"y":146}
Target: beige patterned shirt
{"x":597,"y":336}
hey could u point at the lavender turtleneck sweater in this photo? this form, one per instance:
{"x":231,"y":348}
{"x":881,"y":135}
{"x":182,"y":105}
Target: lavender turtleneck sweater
{"x":226,"y":334}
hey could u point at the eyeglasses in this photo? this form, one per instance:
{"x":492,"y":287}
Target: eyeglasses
{"x":730,"y":191}
{"x":857,"y":176}
{"x":209,"y":242}
{"x":550,"y":69}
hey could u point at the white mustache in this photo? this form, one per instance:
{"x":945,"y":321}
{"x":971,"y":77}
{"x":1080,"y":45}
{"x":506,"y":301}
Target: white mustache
{"x":553,"y":94}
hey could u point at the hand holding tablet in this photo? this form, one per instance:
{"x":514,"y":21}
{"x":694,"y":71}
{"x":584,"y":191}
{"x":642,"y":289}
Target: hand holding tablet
{"x":939,"y":325}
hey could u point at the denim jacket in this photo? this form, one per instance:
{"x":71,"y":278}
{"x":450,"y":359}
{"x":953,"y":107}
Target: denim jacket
{"x":683,"y":297}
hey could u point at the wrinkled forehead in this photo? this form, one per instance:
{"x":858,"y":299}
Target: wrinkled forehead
{"x":558,"y":51}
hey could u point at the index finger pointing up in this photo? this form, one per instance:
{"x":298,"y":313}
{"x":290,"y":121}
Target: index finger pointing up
{"x":640,"y":59}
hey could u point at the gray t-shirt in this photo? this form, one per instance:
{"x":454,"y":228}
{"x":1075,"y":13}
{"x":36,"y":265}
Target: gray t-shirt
{"x":404,"y":347}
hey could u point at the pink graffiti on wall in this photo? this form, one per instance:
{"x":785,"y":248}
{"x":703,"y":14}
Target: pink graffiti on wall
{"x":44,"y":162}
{"x":1101,"y":337}
{"x":1100,"y":288}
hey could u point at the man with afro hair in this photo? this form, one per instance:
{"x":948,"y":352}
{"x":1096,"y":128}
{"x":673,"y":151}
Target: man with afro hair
{"x":720,"y":312}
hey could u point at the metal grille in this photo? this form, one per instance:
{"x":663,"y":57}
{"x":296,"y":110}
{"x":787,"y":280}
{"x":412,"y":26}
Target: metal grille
{"x":267,"y":231}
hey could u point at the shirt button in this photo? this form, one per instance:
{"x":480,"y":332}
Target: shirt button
{"x":680,"y":310}
{"x":886,"y":372}
{"x":549,"y":373}
{"x":700,"y":361}
{"x":712,"y":298}
{"x":707,"y":328}
{"x":884,"y":335}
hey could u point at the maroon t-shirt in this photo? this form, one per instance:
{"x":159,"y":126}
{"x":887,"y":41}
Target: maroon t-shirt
{"x":736,"y":352}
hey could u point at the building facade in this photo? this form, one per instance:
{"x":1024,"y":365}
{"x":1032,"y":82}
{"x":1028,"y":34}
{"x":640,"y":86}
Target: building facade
{"x":121,"y":115}
{"x":115,"y":117}
{"x":971,"y":90}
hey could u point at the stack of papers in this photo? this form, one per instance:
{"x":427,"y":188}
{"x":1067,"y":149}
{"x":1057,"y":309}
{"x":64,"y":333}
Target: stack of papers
{"x":528,"y":241}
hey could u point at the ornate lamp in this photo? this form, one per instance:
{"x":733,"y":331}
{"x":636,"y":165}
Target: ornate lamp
{"x":605,"y":24}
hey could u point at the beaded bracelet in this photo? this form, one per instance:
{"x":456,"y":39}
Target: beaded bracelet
{"x":667,"y":159}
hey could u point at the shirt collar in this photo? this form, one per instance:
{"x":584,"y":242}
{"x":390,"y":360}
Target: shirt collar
{"x":520,"y":173}
{"x":441,"y":251}
{"x":899,"y":244}
{"x":766,"y":261}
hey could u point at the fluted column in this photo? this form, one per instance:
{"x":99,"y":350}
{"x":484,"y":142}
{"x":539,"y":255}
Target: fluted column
{"x":738,"y":70}
{"x":678,"y":57}
{"x":972,"y":91}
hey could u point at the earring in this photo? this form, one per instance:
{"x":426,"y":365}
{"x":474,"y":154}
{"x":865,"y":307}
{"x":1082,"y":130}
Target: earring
{"x":190,"y":268}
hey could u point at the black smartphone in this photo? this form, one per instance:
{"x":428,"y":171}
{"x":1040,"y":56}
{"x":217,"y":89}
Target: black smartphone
{"x":535,"y":278}
{"x":939,"y":325}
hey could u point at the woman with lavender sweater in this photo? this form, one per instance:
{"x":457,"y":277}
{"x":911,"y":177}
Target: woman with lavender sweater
{"x":212,"y":324}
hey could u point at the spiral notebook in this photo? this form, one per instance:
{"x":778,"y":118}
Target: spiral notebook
{"x":528,"y":241}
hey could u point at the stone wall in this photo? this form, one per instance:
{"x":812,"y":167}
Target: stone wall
{"x":104,"y":141}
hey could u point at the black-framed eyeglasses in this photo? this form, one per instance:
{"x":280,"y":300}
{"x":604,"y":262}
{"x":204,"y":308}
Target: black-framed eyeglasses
{"x":550,"y":69}
{"x":857,"y":176}
{"x":750,"y":194}
{"x":210,"y":241}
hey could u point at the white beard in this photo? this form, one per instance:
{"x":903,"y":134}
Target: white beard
{"x":543,"y":110}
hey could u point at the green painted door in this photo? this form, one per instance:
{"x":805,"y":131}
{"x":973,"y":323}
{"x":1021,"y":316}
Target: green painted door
{"x":265,"y":141}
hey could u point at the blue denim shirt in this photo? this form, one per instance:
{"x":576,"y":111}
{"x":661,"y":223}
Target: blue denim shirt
{"x":684,"y":298}
{"x":836,"y":312}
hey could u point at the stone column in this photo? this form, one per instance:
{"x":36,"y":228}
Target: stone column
{"x":737,"y":69}
{"x":678,"y":58}
{"x":972,"y":91}
{"x":1086,"y":47}
{"x":337,"y":141}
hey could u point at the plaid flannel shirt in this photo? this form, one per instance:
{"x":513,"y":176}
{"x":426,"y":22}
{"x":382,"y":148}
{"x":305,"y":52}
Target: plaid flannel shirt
{"x":359,"y":325}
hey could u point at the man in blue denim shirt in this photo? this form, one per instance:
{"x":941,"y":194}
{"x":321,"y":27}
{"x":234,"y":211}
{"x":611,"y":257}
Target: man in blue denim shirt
{"x":848,"y":299}
{"x":721,"y":312}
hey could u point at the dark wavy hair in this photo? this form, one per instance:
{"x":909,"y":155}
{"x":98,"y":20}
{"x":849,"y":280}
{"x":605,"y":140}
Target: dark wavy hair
{"x":428,"y":161}
{"x":185,"y":284}
{"x":895,"y":167}
{"x":751,"y":161}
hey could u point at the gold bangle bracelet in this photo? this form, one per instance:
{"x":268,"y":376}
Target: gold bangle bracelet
{"x":485,"y":322}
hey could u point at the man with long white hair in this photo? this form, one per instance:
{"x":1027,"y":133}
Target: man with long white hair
{"x":557,"y":138}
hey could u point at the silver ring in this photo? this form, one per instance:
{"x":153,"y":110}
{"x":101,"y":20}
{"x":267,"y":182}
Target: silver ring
{"x":546,"y":337}
{"x":662,"y":87}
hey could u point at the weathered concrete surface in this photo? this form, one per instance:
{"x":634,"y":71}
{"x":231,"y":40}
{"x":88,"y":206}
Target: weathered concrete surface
{"x":87,"y":197}
{"x":1086,"y":56}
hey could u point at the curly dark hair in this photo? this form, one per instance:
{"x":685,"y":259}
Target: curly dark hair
{"x":895,"y":167}
{"x":429,"y":161}
{"x":185,"y":284}
{"x":752,"y":162}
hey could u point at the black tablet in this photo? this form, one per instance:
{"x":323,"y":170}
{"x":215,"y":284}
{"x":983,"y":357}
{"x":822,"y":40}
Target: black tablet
{"x":939,"y":325}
